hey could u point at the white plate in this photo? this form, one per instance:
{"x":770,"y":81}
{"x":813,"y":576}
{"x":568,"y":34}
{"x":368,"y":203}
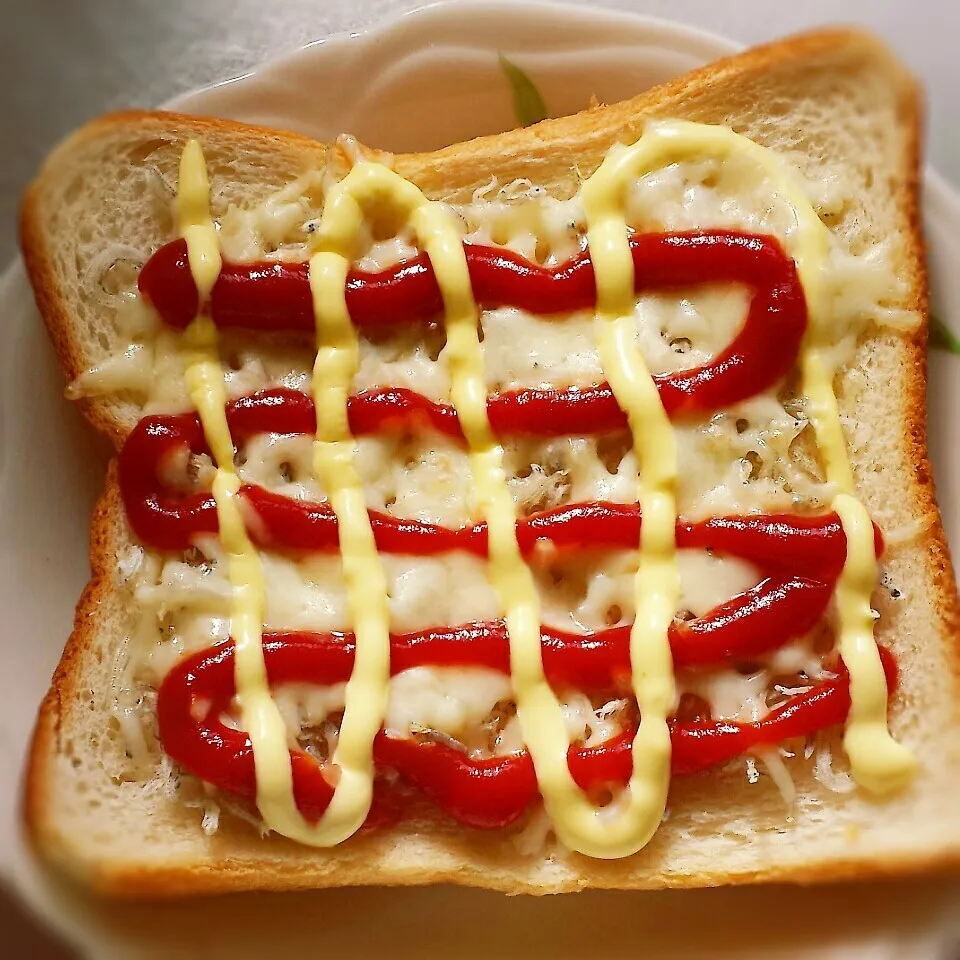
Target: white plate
{"x":422,"y":80}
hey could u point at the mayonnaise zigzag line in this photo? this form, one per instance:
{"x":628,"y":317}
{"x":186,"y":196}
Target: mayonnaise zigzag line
{"x":877,"y":761}
{"x":259,"y":713}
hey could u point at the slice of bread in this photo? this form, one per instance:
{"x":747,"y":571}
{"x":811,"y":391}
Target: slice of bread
{"x":838,"y":108}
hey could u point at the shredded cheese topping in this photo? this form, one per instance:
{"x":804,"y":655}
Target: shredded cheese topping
{"x":877,"y":761}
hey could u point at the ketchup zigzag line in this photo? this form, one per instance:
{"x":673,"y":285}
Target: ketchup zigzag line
{"x":484,"y":793}
{"x":170,"y":520}
{"x":276,"y":296}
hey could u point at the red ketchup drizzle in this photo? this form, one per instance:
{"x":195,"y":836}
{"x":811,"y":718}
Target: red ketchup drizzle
{"x":801,"y":557}
{"x":167,"y":519}
{"x":484,"y":793}
{"x":276,"y":296}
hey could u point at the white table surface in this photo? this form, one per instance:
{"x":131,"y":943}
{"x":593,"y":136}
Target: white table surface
{"x":64,"y":61}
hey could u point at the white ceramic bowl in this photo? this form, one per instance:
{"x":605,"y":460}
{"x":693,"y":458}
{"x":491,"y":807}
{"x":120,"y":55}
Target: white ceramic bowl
{"x":420,"y":81}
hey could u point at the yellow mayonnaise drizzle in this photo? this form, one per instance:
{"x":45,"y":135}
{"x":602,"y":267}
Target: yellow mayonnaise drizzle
{"x":204,"y":377}
{"x":877,"y":761}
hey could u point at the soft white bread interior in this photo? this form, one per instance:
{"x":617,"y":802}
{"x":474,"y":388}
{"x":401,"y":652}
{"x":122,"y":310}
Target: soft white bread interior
{"x":837,"y":107}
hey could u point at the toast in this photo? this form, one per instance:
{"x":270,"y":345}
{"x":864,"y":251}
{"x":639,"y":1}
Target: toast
{"x":841,"y":112}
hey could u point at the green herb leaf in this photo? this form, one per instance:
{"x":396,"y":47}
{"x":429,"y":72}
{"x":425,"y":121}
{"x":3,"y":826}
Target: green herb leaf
{"x":528,"y":105}
{"x":942,"y":337}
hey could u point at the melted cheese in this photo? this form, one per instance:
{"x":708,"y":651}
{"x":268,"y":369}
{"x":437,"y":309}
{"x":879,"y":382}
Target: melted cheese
{"x":629,"y":347}
{"x":133,"y":367}
{"x":193,"y":600}
{"x":739,"y":462}
{"x":730,"y":694}
{"x":707,"y":580}
{"x":465,"y":704}
{"x":454,"y":700}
